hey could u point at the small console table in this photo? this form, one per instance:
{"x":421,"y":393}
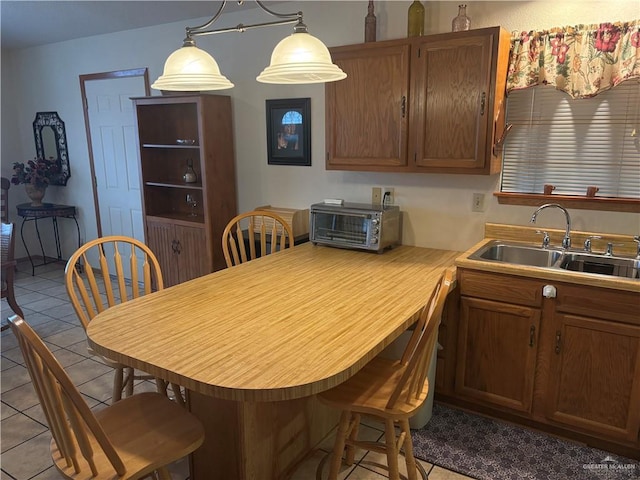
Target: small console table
{"x":46,"y":210}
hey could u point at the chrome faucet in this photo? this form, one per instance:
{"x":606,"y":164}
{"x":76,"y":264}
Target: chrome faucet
{"x":566,"y":241}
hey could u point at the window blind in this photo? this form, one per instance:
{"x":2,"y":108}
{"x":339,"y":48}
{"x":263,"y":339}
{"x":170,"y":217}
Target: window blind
{"x":573,"y":143}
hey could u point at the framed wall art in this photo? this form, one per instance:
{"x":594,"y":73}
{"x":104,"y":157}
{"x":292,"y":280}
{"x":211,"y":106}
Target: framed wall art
{"x":289,"y":131}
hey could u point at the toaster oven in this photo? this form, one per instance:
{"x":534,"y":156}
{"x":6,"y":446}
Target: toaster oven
{"x":355,"y":225}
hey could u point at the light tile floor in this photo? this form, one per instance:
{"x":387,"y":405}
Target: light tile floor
{"x":24,"y":436}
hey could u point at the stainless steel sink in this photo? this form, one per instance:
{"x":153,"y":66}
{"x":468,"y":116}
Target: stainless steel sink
{"x":498,"y":251}
{"x":602,"y":264}
{"x":575,"y":261}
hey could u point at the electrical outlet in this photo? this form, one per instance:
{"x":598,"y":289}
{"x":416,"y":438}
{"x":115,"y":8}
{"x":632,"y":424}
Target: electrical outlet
{"x":388,"y":197}
{"x":478,"y":202}
{"x":376,"y":195}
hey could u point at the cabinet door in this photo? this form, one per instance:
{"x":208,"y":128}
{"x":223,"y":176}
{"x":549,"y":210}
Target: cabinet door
{"x":161,"y":241}
{"x":595,"y":376}
{"x":453,"y":94}
{"x":366,"y":113}
{"x":192,"y":255}
{"x":497,"y":349}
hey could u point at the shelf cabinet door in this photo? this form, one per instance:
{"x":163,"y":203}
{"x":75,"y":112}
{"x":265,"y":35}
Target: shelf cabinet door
{"x":594,"y":381}
{"x":192,"y":255}
{"x":497,"y":350}
{"x":160,"y":238}
{"x":181,"y":251}
{"x":453,"y":92}
{"x":366,"y":113}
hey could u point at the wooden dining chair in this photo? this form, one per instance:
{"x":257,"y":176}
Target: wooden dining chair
{"x":253,"y":234}
{"x":5,"y":184}
{"x":9,"y":267}
{"x":125,"y":269}
{"x":134,"y":438}
{"x":391,"y":391}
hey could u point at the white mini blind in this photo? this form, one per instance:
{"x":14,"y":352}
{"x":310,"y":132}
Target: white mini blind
{"x":573,"y":143}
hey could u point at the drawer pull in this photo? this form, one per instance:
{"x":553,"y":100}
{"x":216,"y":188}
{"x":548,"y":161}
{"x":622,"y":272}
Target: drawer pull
{"x":403,"y":106}
{"x":558,"y":342}
{"x":532,"y":334}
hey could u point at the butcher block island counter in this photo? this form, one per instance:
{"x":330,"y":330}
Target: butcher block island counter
{"x":254,"y":343}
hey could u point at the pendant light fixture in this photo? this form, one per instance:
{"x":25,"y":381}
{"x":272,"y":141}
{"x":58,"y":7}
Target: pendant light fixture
{"x":300,"y":58}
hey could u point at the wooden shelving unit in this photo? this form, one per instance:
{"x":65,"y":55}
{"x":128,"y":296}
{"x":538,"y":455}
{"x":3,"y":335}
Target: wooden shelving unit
{"x":184,"y":221}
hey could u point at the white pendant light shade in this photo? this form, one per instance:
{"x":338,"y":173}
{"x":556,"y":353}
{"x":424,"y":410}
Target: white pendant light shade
{"x":190,"y":69}
{"x":301,"y":58}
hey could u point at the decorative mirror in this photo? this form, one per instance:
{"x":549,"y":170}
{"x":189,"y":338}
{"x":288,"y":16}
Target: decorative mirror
{"x":51,"y":142}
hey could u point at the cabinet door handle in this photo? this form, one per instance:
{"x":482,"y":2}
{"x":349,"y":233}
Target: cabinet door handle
{"x":403,"y":106}
{"x":532,"y":334}
{"x":174,"y":246}
{"x":558,"y":342}
{"x":483,"y":100}
{"x":178,"y":247}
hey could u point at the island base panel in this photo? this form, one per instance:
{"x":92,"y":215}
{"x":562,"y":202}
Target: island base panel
{"x":256,"y":440}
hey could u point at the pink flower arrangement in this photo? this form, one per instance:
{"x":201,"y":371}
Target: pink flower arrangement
{"x":37,"y":172}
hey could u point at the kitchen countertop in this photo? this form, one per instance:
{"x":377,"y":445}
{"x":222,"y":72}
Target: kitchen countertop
{"x":528,"y":234}
{"x":282,"y":326}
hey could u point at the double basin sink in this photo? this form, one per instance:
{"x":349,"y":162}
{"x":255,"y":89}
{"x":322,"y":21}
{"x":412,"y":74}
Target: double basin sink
{"x":570,"y":260}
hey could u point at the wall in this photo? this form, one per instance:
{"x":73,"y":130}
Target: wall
{"x":438,"y":207}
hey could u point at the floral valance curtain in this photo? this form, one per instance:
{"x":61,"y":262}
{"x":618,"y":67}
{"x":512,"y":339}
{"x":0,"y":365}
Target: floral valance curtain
{"x":582,"y":61}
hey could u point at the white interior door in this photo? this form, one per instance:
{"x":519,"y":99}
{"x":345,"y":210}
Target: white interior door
{"x":114,"y":147}
{"x":115,"y":157}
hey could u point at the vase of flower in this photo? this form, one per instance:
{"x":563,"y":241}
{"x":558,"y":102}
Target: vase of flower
{"x":36,"y":175}
{"x":35,"y":193}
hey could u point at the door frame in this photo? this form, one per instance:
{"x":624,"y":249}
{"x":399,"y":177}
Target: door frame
{"x":135,"y":72}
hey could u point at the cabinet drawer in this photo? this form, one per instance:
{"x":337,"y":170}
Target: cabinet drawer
{"x":616,"y":305}
{"x":505,"y":288}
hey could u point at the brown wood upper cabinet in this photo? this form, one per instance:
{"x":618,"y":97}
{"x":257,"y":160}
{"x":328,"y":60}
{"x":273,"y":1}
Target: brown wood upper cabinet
{"x":421,"y":104}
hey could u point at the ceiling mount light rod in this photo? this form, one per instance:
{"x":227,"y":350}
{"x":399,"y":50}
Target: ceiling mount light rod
{"x":202,"y":29}
{"x":300,"y":58}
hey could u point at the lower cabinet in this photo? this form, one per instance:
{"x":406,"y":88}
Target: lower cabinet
{"x":569,"y":363}
{"x":181,"y":251}
{"x":498,"y":346}
{"x":594,"y":370}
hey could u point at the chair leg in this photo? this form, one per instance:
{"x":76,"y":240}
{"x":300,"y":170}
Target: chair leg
{"x":408,"y":450}
{"x":177,"y":393}
{"x":338,"y":446}
{"x":161,"y":386}
{"x":163,"y":474}
{"x":392,"y":449}
{"x":11,"y":300}
{"x":118,"y":380}
{"x":128,"y":381}
{"x":354,"y":424}
{"x":10,"y":293}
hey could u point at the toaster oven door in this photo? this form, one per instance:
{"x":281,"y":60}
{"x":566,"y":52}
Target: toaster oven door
{"x":340,"y":229}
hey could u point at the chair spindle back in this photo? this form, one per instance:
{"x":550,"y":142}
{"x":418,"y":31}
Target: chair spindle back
{"x":418,"y":353}
{"x":70,"y":419}
{"x":127,"y":268}
{"x":4,"y":197}
{"x":269,"y":230}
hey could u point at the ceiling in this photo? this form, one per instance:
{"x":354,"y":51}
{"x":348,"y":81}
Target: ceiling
{"x":27,"y":23}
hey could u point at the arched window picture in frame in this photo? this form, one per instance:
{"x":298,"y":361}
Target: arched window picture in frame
{"x":289,"y":131}
{"x":51,"y":142}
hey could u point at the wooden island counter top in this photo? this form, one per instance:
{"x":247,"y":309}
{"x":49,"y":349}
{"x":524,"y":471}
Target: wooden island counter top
{"x":253,"y":343}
